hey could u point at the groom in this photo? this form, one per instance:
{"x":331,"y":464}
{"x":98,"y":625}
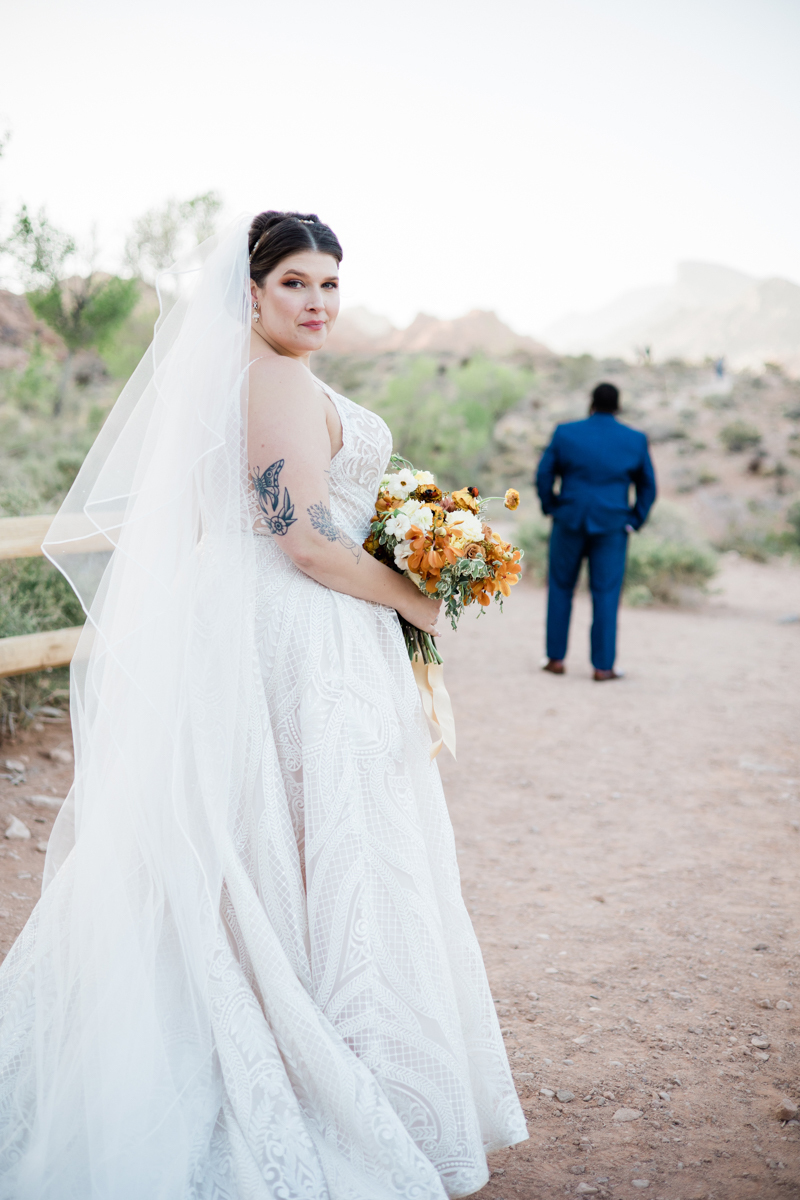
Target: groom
{"x":597,"y":461}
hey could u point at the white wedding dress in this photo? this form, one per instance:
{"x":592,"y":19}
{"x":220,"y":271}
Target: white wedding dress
{"x":325,"y":1031}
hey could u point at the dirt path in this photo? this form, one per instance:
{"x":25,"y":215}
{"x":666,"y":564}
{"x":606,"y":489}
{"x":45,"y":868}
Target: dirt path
{"x":629,"y":855}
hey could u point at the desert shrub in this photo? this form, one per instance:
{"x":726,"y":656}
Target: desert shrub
{"x":34,"y":597}
{"x":665,"y":558}
{"x":533,"y":536}
{"x":793,"y":521}
{"x":720,"y":400}
{"x":658,"y":569}
{"x":442,"y":419}
{"x":705,"y":477}
{"x":33,"y":389}
{"x":748,"y":541}
{"x":22,"y":697}
{"x":662,"y":560}
{"x":125,"y":345}
{"x":765,"y":534}
{"x":739,"y":436}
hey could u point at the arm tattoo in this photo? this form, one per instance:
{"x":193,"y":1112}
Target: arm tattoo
{"x":268,"y":495}
{"x":323,"y":522}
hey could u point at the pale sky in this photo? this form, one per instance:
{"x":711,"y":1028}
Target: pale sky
{"x":533,"y":157}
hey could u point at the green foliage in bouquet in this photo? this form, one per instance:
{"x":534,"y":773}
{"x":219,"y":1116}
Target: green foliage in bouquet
{"x":440,"y":541}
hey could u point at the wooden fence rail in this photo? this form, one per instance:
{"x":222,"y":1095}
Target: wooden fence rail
{"x":22,"y":537}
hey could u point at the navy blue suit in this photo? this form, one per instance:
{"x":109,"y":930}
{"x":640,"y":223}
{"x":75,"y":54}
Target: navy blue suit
{"x":596,"y":460}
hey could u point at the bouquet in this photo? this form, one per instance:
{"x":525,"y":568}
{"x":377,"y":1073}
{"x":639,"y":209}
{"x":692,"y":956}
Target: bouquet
{"x":441,"y":542}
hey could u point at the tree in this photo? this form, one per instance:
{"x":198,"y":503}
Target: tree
{"x":82,"y":310}
{"x":160,"y":234}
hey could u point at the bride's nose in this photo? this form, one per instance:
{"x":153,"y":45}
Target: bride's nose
{"x":316,"y":300}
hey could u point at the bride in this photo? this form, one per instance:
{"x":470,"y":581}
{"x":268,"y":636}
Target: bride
{"x":251,"y":975}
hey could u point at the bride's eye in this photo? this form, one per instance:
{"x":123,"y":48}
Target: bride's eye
{"x":331,"y":283}
{"x":293,"y":283}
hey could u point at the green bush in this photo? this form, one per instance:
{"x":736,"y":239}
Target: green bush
{"x":739,"y":436}
{"x":658,"y":569}
{"x":33,"y":389}
{"x":793,"y":521}
{"x":666,"y":557}
{"x":442,"y":418}
{"x":661,"y":560}
{"x":123,"y":348}
{"x":34,"y":597}
{"x":765,"y":536}
{"x":533,"y":536}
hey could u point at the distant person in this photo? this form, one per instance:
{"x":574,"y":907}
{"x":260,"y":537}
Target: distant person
{"x":719,"y":367}
{"x":596,"y":460}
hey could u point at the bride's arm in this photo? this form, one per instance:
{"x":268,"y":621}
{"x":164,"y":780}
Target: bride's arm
{"x":289,"y":453}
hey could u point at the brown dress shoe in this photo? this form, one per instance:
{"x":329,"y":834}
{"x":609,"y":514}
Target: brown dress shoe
{"x":555,"y":666}
{"x":602,"y":676}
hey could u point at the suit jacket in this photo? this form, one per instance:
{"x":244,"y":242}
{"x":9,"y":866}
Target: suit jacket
{"x":597,"y":460}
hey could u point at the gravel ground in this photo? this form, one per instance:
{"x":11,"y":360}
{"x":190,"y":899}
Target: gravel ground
{"x":628,"y":854}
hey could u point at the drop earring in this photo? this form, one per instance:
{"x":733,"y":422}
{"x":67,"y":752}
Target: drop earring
{"x":255,"y":310}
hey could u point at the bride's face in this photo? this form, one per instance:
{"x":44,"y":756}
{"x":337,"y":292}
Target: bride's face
{"x":298,"y":303}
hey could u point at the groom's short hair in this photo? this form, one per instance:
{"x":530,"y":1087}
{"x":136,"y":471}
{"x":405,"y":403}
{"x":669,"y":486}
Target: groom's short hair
{"x":605,"y":398}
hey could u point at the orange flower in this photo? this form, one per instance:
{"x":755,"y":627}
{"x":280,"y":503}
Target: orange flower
{"x":473,"y":550}
{"x":386,"y":504}
{"x":466,"y":499}
{"x":427,"y":493}
{"x":482,"y":591}
{"x":512,"y":499}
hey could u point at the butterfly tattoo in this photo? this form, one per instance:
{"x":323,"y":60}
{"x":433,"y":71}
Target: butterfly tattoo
{"x":268,"y":494}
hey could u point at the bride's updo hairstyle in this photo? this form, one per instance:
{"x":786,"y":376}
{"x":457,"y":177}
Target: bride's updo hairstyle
{"x":275,"y":235}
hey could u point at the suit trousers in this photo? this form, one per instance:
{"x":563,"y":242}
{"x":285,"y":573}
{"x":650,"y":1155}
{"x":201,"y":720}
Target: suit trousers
{"x":606,"y":553}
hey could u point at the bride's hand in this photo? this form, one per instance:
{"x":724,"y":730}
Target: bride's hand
{"x":420,"y":611}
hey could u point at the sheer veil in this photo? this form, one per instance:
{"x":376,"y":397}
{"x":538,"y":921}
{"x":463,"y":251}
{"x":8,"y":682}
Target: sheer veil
{"x":154,"y":538}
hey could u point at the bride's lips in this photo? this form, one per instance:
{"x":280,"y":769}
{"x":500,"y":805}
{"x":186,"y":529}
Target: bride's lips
{"x":314,"y":324}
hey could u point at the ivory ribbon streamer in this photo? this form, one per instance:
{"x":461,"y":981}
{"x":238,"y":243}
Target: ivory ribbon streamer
{"x":436,"y":703}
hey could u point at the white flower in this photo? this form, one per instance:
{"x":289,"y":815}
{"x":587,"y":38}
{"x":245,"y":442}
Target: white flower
{"x":400,"y":485}
{"x":384,"y":480}
{"x":398,"y":525}
{"x":402,"y":551}
{"x":468,"y":526}
{"x":408,"y":514}
{"x":423,"y":477}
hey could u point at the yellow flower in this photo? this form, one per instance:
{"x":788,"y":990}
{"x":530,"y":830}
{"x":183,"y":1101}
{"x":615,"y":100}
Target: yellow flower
{"x":466,"y":498}
{"x":512,"y":499}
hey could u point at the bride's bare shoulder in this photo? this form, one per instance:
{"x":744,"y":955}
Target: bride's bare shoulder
{"x":276,"y":378}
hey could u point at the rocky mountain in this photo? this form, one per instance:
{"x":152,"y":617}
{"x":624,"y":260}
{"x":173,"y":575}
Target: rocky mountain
{"x":18,"y":326}
{"x":708,"y":312}
{"x":359,"y":331}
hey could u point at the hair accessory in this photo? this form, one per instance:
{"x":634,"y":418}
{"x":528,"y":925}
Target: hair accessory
{"x":301,"y":220}
{"x":258,"y":243}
